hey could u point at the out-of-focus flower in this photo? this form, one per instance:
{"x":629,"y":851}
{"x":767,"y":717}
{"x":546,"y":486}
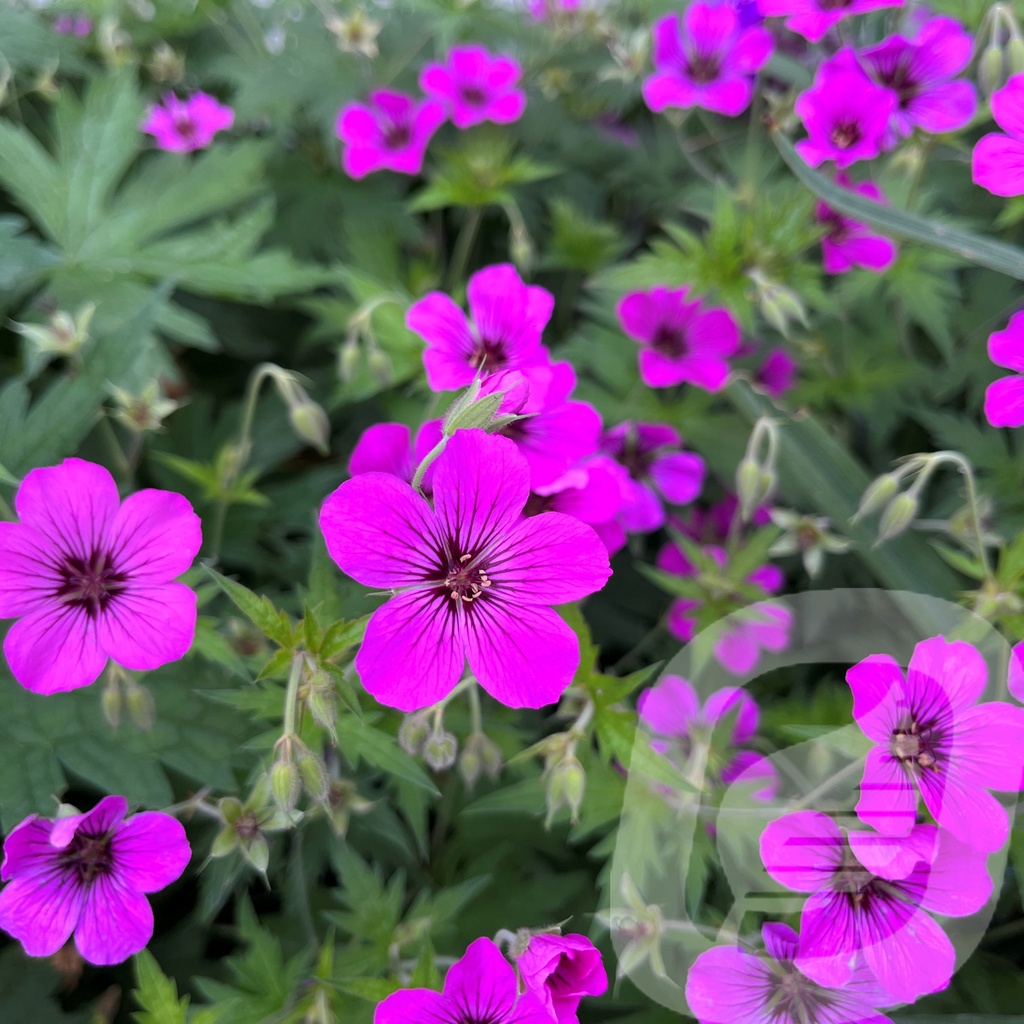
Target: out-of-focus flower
{"x":561,"y":970}
{"x":658,"y":472}
{"x":847,"y":243}
{"x":89,"y":874}
{"x":474,"y":85}
{"x":706,"y":58}
{"x":777,"y":374}
{"x":681,"y":341}
{"x":64,"y":335}
{"x":391,"y":132}
{"x":390,"y":448}
{"x":544,"y":10}
{"x":997,"y":163}
{"x":931,"y":737}
{"x":813,"y":18}
{"x":846,"y":116}
{"x":1004,"y":398}
{"x":731,"y":985}
{"x":503,"y":332}
{"x":72,"y":25}
{"x":89,"y":577}
{"x":807,"y":536}
{"x":873,"y":895}
{"x":182,"y":126}
{"x":473,"y":579}
{"x":145,"y":411}
{"x":355,"y":34}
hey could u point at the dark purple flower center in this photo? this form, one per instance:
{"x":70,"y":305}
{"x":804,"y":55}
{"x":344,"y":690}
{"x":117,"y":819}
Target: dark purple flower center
{"x":90,"y":583}
{"x":703,"y":67}
{"x":834,"y":5}
{"x":636,"y":460}
{"x":536,"y":503}
{"x":900,"y":79}
{"x":473,"y":95}
{"x":914,"y":745}
{"x":184,"y":125}
{"x":88,"y":856}
{"x":794,"y":997}
{"x":466,"y":580}
{"x":845,"y":134}
{"x":670,"y":341}
{"x":488,"y":354}
{"x":397,"y":135}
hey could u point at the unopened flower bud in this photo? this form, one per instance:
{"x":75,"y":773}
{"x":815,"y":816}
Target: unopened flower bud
{"x":990,"y":69}
{"x":566,"y":784}
{"x":314,"y":775}
{"x":323,"y":706}
{"x":413,"y":733}
{"x":1015,"y":55}
{"x":165,"y":65}
{"x":878,"y":494}
{"x":440,"y":750}
{"x":898,"y":515}
{"x":379,"y":365}
{"x":310,"y":423}
{"x":285,"y":784}
{"x":111,"y":704}
{"x":481,"y":756}
{"x":753,"y":485}
{"x":477,"y":414}
{"x":141,"y":706}
{"x":349,"y":359}
{"x":66,"y":811}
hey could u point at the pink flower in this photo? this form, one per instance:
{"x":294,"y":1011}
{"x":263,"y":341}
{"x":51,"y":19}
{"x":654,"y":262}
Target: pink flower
{"x":706,"y":59}
{"x":813,"y":18}
{"x":475,"y":86}
{"x":919,"y":72}
{"x":72,"y":25}
{"x":657,"y":472}
{"x":183,"y":126}
{"x":90,"y":581}
{"x":554,"y":432}
{"x":542,"y":10}
{"x":473,"y":578}
{"x":847,"y":243}
{"x":871,"y":895}
{"x":997,"y":163}
{"x":931,"y":737}
{"x":89,"y":874}
{"x":1015,"y":679}
{"x":391,"y":132}
{"x":560,"y":970}
{"x":507,"y":320}
{"x":680,"y":341}
{"x":592,"y":492}
{"x":846,"y":115}
{"x":777,"y":374}
{"x":482,"y":986}
{"x":388,"y":448}
{"x":731,"y":985}
{"x":1004,"y":398}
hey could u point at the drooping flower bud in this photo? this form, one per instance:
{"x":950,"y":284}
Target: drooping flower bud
{"x":566,"y":785}
{"x":897,"y":516}
{"x":440,"y":750}
{"x":878,"y":494}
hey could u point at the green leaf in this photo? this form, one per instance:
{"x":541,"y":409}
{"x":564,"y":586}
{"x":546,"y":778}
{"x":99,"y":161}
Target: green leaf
{"x":156,"y":994}
{"x":617,"y":735}
{"x":358,"y":740}
{"x":341,"y":636}
{"x":32,"y":176}
{"x":274,"y":624}
{"x":985,"y":252}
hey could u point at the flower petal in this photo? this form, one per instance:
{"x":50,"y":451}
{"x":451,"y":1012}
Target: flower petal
{"x":27,"y":848}
{"x":115,"y":923}
{"x":54,"y":649}
{"x":408,"y":1004}
{"x":679,"y":476}
{"x":383,"y":448}
{"x":413,"y":653}
{"x":997,"y":164}
{"x":481,"y":485}
{"x":150,"y":851}
{"x":1004,"y":402}
{"x":155,"y":536}
{"x":888,"y":798}
{"x":878,"y":695}
{"x":103,"y":818}
{"x":27,"y":569}
{"x":146,"y":627}
{"x":802,"y":850}
{"x":728,"y":985}
{"x":523,"y":656}
{"x":381,"y":532}
{"x":482,"y":985}
{"x":988,"y":746}
{"x":970,"y":812}
{"x":41,"y":910}
{"x":669,"y":708}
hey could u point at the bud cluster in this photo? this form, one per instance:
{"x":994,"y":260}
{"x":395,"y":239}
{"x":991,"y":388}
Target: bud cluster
{"x":756,"y":475}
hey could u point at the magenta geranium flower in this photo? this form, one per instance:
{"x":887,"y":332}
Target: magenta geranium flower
{"x":474,"y":85}
{"x":706,"y":59}
{"x":731,"y":985}
{"x":680,"y":341}
{"x":481,"y":987}
{"x":932,"y":737}
{"x":473,"y":579}
{"x":872,"y":895}
{"x":673,"y":710}
{"x":182,"y":126}
{"x":658,"y":472}
{"x":90,"y":578}
{"x":777,"y":374}
{"x":554,"y":433}
{"x":88,"y":874}
{"x":503,"y":331}
{"x":389,"y":448}
{"x":1015,"y":674}
{"x":560,"y":970}
{"x":72,"y":25}
{"x":919,"y":72}
{"x":846,"y":115}
{"x":391,"y":132}
{"x":1004,"y":398}
{"x":997,"y":163}
{"x":813,"y":18}
{"x":847,"y":243}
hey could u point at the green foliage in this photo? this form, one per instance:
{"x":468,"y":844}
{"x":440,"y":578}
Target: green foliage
{"x":157,"y":994}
